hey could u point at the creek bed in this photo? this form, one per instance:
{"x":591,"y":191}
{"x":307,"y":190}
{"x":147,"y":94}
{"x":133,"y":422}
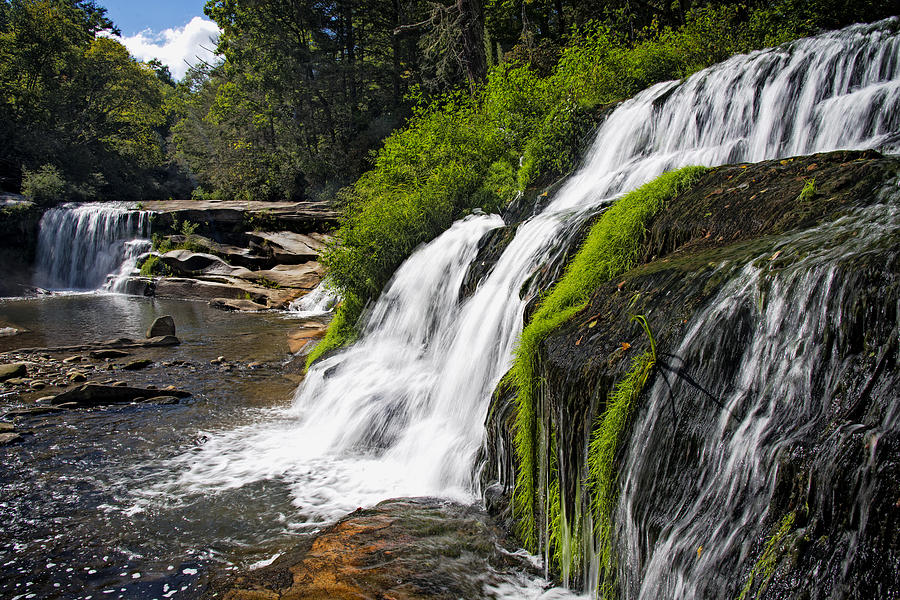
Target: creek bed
{"x":73,"y":522}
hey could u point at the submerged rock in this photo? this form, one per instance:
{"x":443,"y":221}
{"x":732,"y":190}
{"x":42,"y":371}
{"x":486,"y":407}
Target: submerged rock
{"x":407,"y":548}
{"x":101,"y":354}
{"x":137,"y":365}
{"x":93,"y":395}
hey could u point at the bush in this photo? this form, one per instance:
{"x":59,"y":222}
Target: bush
{"x":463,"y":152}
{"x":45,"y":187}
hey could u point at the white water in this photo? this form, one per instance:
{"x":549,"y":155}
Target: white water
{"x":771,"y":404}
{"x":402,"y":411}
{"x":320,"y":301}
{"x":80,"y":245}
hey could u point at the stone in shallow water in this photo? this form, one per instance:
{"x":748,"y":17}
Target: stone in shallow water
{"x":164,"y":325}
{"x":13,"y":370}
{"x":136,"y":365}
{"x":9,"y":438}
{"x":93,"y":395}
{"x":412,"y":548}
{"x":109,"y":353}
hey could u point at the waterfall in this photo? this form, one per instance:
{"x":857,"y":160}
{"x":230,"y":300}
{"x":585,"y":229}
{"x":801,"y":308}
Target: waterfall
{"x":79,"y":245}
{"x":777,"y":396}
{"x":401,"y":412}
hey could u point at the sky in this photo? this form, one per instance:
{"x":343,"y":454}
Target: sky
{"x":174,"y":31}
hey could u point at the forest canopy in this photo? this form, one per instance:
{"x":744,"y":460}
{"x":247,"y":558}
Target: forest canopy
{"x":306,"y":92}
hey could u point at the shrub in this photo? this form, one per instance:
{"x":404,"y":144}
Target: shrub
{"x":45,"y":187}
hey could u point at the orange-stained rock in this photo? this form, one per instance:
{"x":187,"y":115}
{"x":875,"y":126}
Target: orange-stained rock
{"x":406,"y":549}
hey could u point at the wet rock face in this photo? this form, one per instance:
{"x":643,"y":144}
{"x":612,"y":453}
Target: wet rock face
{"x":408,"y":548}
{"x":830,"y":527}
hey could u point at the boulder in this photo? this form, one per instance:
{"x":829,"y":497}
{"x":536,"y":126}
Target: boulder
{"x":233,"y":255}
{"x":162,"y":326}
{"x":135,"y":286}
{"x":287,"y":247}
{"x":304,"y":276}
{"x":185,"y":262}
{"x":13,"y":370}
{"x":92,"y":395}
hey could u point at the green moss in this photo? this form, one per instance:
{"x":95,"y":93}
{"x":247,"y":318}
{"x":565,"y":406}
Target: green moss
{"x":765,"y":567}
{"x":602,"y":468}
{"x":612,"y":247}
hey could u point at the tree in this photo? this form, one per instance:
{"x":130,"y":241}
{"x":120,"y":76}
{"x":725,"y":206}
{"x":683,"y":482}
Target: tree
{"x":76,"y":100}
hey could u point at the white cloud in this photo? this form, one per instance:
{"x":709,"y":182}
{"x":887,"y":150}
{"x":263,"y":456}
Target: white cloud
{"x":178,"y":47}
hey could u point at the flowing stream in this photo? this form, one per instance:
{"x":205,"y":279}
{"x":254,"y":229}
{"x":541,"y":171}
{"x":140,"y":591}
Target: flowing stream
{"x":87,"y":246}
{"x":401,"y":412}
{"x":709,"y":502}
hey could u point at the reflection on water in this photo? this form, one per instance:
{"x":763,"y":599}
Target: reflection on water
{"x":65,"y":489}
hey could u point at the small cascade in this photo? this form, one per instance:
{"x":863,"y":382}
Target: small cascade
{"x":401,"y":412}
{"x":320,"y":301}
{"x":81,"y":245}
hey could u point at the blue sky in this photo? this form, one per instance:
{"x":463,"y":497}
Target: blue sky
{"x":174,"y":31}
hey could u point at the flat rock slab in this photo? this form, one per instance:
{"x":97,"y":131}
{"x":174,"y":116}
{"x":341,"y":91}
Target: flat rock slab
{"x":304,"y":216}
{"x":237,"y":305}
{"x":156,"y":342}
{"x":288,"y":247}
{"x":92,"y":395}
{"x":196,"y":289}
{"x":304,"y":276}
{"x":408,"y":548}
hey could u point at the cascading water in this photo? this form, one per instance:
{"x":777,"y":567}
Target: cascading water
{"x":79,"y":245}
{"x":320,"y":301}
{"x":777,"y":397}
{"x":402,"y":411}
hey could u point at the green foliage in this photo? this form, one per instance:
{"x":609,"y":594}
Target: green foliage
{"x":44,"y":186}
{"x":162,"y":244}
{"x":154,"y":267}
{"x":341,"y":331}
{"x":77,"y":100}
{"x":612,"y":247}
{"x":808,"y":192}
{"x":463,"y":151}
{"x":263,"y":220}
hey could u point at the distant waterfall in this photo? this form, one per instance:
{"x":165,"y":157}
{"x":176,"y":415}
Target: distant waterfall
{"x":401,"y":411}
{"x":79,"y":245}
